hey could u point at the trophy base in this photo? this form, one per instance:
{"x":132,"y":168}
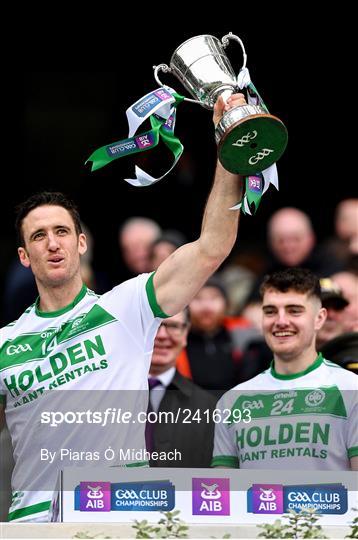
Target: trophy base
{"x":252,"y":143}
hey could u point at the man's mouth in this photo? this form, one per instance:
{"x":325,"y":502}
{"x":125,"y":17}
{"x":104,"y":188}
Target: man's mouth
{"x":285,"y":333}
{"x":55,"y":260}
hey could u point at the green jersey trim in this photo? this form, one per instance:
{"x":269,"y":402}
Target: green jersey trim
{"x":316,"y":364}
{"x":29,"y":510}
{"x":152,"y":299}
{"x":352,"y":452}
{"x":138,"y":464}
{"x":70,"y":306}
{"x":2,"y":399}
{"x":225,"y":461}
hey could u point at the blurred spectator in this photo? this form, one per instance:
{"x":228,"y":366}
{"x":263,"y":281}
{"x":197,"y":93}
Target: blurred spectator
{"x":164,"y":246}
{"x":344,"y":245}
{"x":238,"y":282}
{"x":338,"y":338}
{"x":343,"y":350}
{"x":292,"y":242}
{"x":346,"y":224}
{"x":256,"y":356}
{"x":291,"y":236}
{"x":334,"y":302}
{"x":348,"y":283}
{"x":170,"y":392}
{"x":135,"y":238}
{"x":215,"y":341}
{"x":253,"y":313}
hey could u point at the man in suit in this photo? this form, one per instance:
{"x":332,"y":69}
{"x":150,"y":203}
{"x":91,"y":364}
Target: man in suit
{"x":190,"y":430}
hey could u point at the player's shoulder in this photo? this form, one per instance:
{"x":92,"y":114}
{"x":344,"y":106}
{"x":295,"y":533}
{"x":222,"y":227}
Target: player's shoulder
{"x":18,"y":325}
{"x":129,"y":285}
{"x":342,"y":377}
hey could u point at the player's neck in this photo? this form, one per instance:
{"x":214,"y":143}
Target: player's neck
{"x":58,"y":297}
{"x":290,"y":366}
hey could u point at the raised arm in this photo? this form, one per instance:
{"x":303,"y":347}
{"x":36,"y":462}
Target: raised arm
{"x":180,"y":276}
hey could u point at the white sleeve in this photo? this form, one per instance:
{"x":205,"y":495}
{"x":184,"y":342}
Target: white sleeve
{"x":129,"y":303}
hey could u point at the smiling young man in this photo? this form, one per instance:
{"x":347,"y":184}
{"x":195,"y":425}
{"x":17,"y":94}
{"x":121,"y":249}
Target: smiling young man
{"x":302,"y":412}
{"x":72,"y":339}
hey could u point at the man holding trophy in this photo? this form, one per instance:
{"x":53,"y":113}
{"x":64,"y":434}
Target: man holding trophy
{"x":51,"y":243}
{"x":72,"y":339}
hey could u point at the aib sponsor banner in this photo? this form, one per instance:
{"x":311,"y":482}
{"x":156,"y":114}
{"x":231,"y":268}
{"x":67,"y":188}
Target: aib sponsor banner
{"x":147,"y":496}
{"x":211,"y":497}
{"x":277,"y":499}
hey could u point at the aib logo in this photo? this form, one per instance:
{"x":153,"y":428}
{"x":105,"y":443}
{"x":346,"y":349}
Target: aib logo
{"x":211,"y":497}
{"x":95,"y":496}
{"x":255,"y":184}
{"x":267,"y":499}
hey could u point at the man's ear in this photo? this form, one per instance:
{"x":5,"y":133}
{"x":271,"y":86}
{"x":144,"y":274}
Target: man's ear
{"x":24,"y":259}
{"x":82,"y":244}
{"x":321,"y":318}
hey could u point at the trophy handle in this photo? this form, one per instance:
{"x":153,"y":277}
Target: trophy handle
{"x":225,"y":43}
{"x":166,"y":69}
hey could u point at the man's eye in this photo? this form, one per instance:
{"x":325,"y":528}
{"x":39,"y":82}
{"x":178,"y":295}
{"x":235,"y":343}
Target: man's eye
{"x":62,"y":231}
{"x":38,"y":236}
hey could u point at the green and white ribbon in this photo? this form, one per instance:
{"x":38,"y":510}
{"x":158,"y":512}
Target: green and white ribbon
{"x":160,"y":107}
{"x":255,"y":185}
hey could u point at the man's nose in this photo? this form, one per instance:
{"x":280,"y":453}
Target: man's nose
{"x":53,"y":243}
{"x":282,"y":319}
{"x":162,"y":331}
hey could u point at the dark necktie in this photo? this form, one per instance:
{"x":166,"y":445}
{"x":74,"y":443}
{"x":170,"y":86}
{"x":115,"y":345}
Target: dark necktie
{"x":149,"y":427}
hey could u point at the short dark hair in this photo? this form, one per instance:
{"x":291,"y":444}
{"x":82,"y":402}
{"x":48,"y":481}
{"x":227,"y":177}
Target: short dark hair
{"x":53,"y":198}
{"x":300,"y":280}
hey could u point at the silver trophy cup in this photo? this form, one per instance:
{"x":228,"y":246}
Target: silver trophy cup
{"x":249,"y":138}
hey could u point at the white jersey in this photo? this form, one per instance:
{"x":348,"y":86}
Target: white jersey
{"x":94,"y":345}
{"x":303,"y":421}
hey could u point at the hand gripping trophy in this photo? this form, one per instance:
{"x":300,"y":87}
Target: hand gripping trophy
{"x":250,"y":140}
